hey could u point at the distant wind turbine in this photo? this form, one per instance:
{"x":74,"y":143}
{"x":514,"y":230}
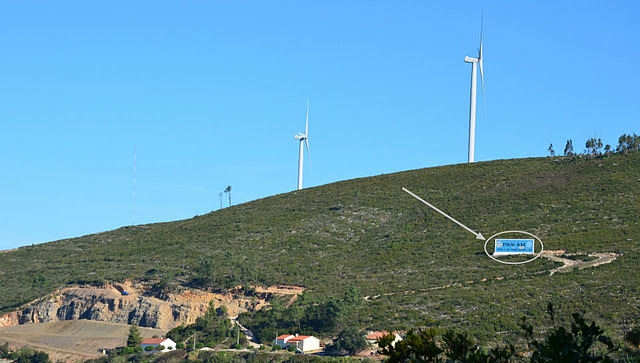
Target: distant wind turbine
{"x":133,"y":221}
{"x":472,"y":107}
{"x":304,"y":139}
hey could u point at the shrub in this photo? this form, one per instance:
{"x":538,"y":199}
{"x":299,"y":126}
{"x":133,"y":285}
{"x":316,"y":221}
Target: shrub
{"x":149,"y":348}
{"x":126,"y":350}
{"x":582,"y":342}
{"x":236,"y":346}
{"x":199,"y":345}
{"x":159,"y":347}
{"x":4,"y":350}
{"x":349,"y":341}
{"x":180,"y":345}
{"x":291,"y":348}
{"x":262,"y":347}
{"x":276,"y":347}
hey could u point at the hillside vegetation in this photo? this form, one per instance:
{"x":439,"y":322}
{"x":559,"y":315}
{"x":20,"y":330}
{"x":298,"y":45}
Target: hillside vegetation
{"x":414,"y":267}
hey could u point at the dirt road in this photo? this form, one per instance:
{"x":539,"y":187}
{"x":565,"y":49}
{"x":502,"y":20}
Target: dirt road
{"x":571,"y":264}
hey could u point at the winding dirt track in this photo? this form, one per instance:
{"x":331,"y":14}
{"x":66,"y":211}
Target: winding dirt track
{"x":570,"y":265}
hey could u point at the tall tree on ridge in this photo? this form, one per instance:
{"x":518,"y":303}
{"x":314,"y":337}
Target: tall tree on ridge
{"x":568,"y":149}
{"x":228,"y":190}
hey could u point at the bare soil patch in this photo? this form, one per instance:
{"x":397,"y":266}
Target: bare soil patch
{"x":72,"y":340}
{"x":571,"y":264}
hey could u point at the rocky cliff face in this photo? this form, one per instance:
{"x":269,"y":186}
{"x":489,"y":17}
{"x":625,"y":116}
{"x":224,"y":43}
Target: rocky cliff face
{"x":106,"y":303}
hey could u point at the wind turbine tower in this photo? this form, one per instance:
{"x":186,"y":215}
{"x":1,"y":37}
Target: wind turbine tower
{"x":304,"y":139}
{"x":472,"y":107}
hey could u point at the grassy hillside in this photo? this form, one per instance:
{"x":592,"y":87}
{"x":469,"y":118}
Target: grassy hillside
{"x":369,"y":234}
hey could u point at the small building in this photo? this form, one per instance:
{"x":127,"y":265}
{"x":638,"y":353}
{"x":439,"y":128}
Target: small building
{"x":372,"y":337}
{"x":305,"y":343}
{"x":282,"y":340}
{"x":302,"y":343}
{"x":167,"y":343}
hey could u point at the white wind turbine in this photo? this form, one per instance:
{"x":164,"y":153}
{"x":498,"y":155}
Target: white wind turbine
{"x":472,"y":107}
{"x":304,"y":138}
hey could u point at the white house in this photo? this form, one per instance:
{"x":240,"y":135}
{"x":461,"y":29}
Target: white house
{"x":167,"y":343}
{"x":303,"y":343}
{"x":373,"y":337}
{"x":282,"y":340}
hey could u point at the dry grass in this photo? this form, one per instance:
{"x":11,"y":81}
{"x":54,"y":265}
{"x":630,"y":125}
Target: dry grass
{"x":74,"y":340}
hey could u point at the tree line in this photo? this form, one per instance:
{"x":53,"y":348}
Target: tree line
{"x":306,"y":316}
{"x":580,"y":342}
{"x":23,"y":355}
{"x":595,"y":147}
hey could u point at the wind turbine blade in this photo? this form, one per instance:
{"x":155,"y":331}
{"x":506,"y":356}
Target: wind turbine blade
{"x":480,"y":61}
{"x":306,"y":141}
{"x":481,"y":31}
{"x":306,"y":129}
{"x":484,"y":101}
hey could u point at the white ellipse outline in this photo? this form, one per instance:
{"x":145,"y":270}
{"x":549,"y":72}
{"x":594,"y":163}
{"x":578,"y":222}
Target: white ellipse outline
{"x":514,"y":263}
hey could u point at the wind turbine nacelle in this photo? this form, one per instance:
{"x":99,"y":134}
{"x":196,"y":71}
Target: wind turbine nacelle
{"x":470,"y":59}
{"x":300,"y":137}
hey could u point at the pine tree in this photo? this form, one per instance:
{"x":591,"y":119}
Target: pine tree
{"x":134,"y":338}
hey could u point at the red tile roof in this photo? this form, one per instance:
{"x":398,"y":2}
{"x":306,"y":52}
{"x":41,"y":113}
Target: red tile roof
{"x":284,"y":336}
{"x":377,"y":334}
{"x":299,"y":338}
{"x":153,"y":341}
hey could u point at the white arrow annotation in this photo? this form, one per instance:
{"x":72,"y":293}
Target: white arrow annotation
{"x":478,"y":235}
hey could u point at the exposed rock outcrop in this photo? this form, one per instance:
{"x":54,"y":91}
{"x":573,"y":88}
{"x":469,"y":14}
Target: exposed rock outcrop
{"x":108,"y":303}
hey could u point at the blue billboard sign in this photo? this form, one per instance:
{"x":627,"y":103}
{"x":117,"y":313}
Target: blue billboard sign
{"x":513,"y":246}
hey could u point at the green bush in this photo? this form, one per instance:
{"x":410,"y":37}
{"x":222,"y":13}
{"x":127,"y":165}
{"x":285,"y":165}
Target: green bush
{"x":212,"y":328}
{"x":159,"y":347}
{"x":180,"y":345}
{"x":125,"y":350}
{"x":276,"y":347}
{"x":149,"y":348}
{"x":27,"y":355}
{"x":291,"y":348}
{"x":582,"y":342}
{"x":349,"y":341}
{"x":199,"y":345}
{"x":5,"y":351}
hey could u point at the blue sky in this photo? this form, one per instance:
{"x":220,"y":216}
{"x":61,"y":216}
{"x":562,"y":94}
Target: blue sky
{"x":211,"y":94}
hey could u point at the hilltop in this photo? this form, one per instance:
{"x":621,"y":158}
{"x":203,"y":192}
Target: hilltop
{"x":413,"y":266}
